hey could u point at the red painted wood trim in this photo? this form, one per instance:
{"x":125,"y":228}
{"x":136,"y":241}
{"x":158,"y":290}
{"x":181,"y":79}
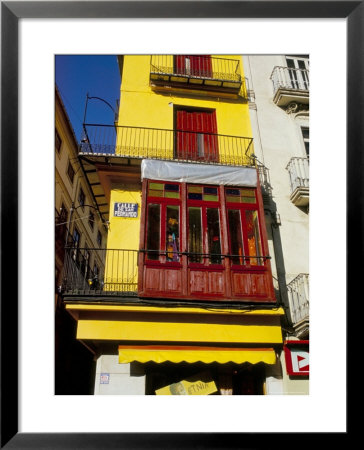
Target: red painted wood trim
{"x":183,"y":244}
{"x":264,"y":236}
{"x":142,"y":237}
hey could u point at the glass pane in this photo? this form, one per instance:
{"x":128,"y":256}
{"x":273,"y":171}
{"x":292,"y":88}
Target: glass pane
{"x":231,"y":199}
{"x":157,"y":186}
{"x":171,"y":191}
{"x":153,"y":231}
{"x":193,"y":196}
{"x":235,"y":237}
{"x":254,"y":245}
{"x":210,"y":194}
{"x":195,"y":189}
{"x":172,"y":187}
{"x":305,"y":132}
{"x":240,"y":195}
{"x":195,"y":234}
{"x":301,"y":64}
{"x":172,"y":233}
{"x":248,"y":193}
{"x":247,"y":200}
{"x":210,"y":190}
{"x":155,"y":193}
{"x":307,"y":148}
{"x":213,"y":233}
{"x":171,"y":194}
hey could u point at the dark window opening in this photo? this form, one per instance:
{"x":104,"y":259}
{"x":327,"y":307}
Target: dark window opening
{"x":153,"y":231}
{"x":70,"y":172}
{"x":91,"y":220}
{"x":306,"y":139}
{"x":81,"y":197}
{"x":58,"y":141}
{"x":99,"y":238}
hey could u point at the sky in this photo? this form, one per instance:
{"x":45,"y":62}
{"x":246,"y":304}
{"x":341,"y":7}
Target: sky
{"x":97,"y":75}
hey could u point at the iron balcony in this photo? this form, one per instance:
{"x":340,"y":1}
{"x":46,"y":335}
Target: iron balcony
{"x":197,"y":72}
{"x":298,"y":170}
{"x":117,"y":273}
{"x":290,"y":85}
{"x":163,"y":144}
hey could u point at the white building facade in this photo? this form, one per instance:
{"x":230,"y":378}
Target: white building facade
{"x":279,"y":110}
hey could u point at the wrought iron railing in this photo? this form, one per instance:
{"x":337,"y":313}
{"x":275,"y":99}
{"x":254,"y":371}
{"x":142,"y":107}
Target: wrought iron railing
{"x":117,"y":271}
{"x":264,"y":180}
{"x":164,"y":144}
{"x":298,"y":169}
{"x":60,"y":228}
{"x":290,"y":78}
{"x":198,"y":66}
{"x":298,"y":296}
{"x":207,"y":258}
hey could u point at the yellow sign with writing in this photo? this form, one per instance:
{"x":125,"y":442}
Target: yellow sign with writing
{"x":200,"y":384}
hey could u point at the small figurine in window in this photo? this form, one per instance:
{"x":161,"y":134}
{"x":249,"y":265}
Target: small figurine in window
{"x":172,"y":250}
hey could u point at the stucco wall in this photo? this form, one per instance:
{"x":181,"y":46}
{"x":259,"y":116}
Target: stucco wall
{"x":118,"y":379}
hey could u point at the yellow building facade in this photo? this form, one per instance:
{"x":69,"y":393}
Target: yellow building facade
{"x":186,"y":270}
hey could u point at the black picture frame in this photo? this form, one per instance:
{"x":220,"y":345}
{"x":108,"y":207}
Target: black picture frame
{"x":11,"y":12}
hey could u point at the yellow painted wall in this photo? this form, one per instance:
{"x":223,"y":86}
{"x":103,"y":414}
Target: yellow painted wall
{"x":121,"y":272}
{"x":124,"y":232}
{"x":142,"y":107}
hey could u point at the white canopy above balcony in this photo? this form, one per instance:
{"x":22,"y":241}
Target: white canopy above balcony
{"x":198,"y":173}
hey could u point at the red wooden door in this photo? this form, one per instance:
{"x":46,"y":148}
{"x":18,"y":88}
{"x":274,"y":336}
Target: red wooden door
{"x":198,"y":141}
{"x":194,"y":65}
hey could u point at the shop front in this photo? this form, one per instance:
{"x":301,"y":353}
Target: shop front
{"x":196,"y":370}
{"x":180,"y":350}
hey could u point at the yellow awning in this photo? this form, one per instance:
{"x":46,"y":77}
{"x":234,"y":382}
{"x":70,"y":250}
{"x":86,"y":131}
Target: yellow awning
{"x":189,"y":354}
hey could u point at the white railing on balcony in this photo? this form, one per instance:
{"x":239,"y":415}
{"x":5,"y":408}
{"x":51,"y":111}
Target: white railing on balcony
{"x":298,"y":169}
{"x":298,"y":296}
{"x":290,"y":78}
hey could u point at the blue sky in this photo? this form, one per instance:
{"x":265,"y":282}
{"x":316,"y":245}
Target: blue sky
{"x":97,"y":75}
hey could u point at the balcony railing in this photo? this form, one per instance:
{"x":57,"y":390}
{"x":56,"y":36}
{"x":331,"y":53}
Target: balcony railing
{"x":298,"y":169}
{"x":197,"y":71}
{"x":290,"y":85}
{"x":265,"y":184}
{"x":163,"y":144}
{"x":117,"y":272}
{"x":290,"y":78}
{"x":298,"y":296}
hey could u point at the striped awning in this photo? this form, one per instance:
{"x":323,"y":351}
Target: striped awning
{"x":192,"y":354}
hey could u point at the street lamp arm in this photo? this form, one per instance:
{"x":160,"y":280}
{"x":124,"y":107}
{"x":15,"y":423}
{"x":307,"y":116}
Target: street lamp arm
{"x":107,"y":103}
{"x":79,"y":206}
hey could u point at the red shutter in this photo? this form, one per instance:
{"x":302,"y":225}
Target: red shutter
{"x":180,"y":64}
{"x":201,"y":66}
{"x":201,"y":144}
{"x":198,"y":66}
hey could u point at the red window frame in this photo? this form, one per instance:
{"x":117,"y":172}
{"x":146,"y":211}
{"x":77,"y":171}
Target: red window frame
{"x":163,"y":202}
{"x":242,"y":208}
{"x":204,"y":205}
{"x":223,"y":206}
